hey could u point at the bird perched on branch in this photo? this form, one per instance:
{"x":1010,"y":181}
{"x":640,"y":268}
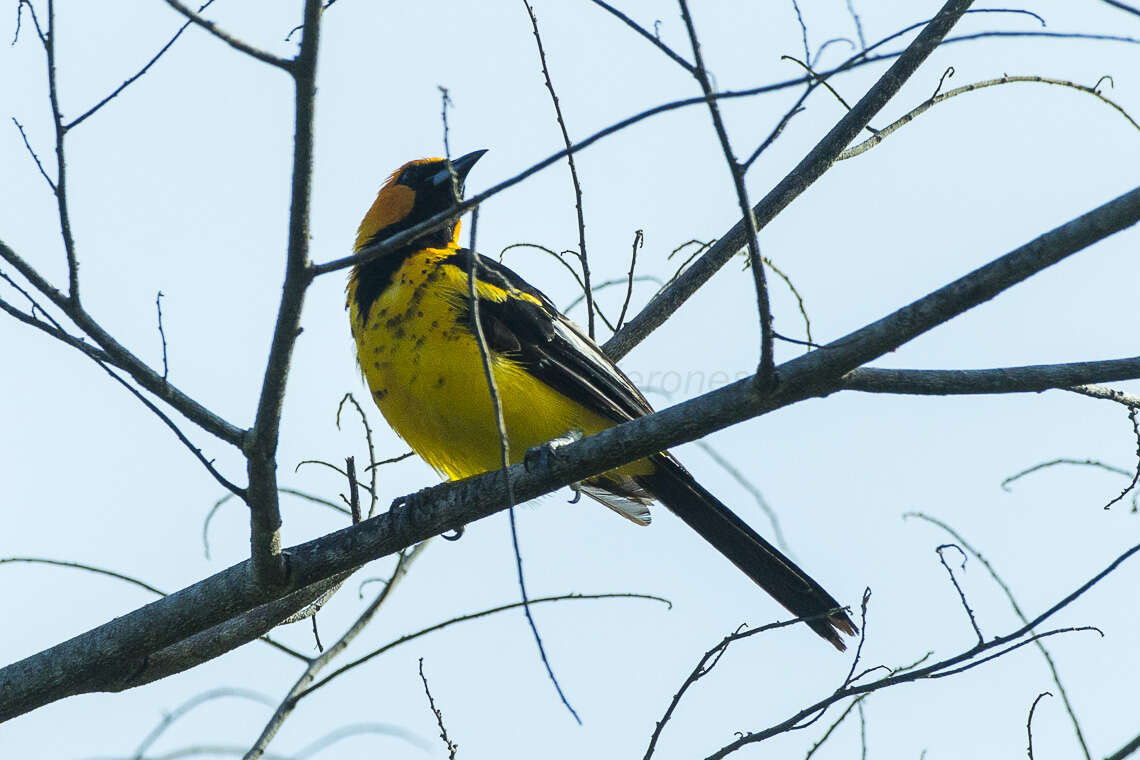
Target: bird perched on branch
{"x":412,"y":318}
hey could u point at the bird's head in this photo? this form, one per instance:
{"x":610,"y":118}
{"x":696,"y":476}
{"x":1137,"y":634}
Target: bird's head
{"x":417,"y":191}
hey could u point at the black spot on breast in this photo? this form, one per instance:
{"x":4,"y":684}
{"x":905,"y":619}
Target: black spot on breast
{"x":380,"y":394}
{"x":373,"y":278}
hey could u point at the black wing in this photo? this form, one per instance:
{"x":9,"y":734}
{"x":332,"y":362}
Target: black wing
{"x":548,"y":345}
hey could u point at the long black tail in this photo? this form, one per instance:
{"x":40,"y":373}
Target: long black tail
{"x":674,"y":487}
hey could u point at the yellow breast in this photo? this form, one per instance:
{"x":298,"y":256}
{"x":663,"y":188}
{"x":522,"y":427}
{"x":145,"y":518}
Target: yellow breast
{"x":424,"y":368}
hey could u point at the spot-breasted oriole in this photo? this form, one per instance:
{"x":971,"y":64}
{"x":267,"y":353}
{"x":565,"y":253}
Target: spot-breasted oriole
{"x":411,"y":317}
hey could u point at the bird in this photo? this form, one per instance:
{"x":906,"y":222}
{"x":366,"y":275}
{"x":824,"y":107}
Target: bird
{"x":411,"y":317}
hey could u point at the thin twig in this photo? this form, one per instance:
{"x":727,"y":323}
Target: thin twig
{"x":1062,"y":460}
{"x":917,"y":111}
{"x":653,"y":39}
{"x":803,"y":29}
{"x":958,"y":588}
{"x":169,"y":718}
{"x":1029,"y":721}
{"x":778,"y":130}
{"x":582,"y":256}
{"x":858,"y":24}
{"x":851,"y":677}
{"x":795,"y":294}
{"x":81,"y":566}
{"x":162,"y":335}
{"x":953,"y":665}
{"x":137,"y":75}
{"x":1136,"y":476}
{"x":549,"y":252}
{"x":373,"y":465}
{"x":59,"y":185}
{"x":638,"y":241}
{"x":181,"y":436}
{"x":451,"y":746}
{"x":105,"y":361}
{"x":392,"y":460}
{"x":703,"y":667}
{"x":120,"y":357}
{"x":766,"y":373}
{"x":286,"y":64}
{"x":826,"y":85}
{"x":862,"y":731}
{"x":828,"y":43}
{"x":289,"y":703}
{"x":32,"y":152}
{"x":501,"y":426}
{"x":1020,"y":616}
{"x":471,"y":616}
{"x":855,"y":703}
{"x":291,"y":491}
{"x":605,"y":285}
{"x":332,"y":467}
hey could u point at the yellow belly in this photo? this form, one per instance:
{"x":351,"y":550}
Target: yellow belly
{"x":426,"y":375}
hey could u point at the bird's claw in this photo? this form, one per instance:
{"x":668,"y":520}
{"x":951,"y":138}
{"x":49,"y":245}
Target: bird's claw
{"x":454,"y":534}
{"x":543,"y":456}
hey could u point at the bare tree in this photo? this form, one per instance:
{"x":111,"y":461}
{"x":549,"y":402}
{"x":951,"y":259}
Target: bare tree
{"x":280,"y":584}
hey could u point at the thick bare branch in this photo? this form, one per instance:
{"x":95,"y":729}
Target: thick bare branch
{"x":950,"y":382}
{"x":807,"y":171}
{"x":269,"y":566}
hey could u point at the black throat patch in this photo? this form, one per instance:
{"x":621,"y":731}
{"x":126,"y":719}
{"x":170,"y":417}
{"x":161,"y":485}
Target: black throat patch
{"x":376,"y":276}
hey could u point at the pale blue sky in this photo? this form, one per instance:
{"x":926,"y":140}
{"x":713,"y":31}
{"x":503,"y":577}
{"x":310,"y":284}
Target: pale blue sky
{"x":181,"y":185}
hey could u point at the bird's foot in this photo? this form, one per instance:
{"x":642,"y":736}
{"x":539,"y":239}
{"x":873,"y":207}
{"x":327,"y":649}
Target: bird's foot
{"x":544,"y":455}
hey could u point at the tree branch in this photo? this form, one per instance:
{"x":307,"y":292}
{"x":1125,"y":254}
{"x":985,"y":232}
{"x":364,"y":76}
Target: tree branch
{"x":261,"y":446}
{"x":766,"y":372}
{"x":231,"y":40}
{"x":105,"y":656}
{"x":807,"y":171}
{"x":317,"y":664}
{"x":1027,"y":379}
{"x":122,"y":358}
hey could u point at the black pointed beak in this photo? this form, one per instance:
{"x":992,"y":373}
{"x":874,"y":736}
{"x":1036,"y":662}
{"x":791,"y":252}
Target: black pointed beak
{"x":461,"y":166}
